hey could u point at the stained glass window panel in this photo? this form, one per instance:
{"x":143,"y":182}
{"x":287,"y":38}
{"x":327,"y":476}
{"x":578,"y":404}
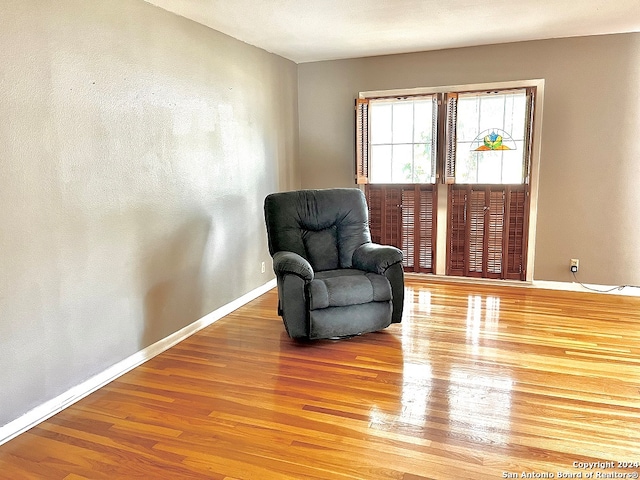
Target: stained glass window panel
{"x":490,"y":137}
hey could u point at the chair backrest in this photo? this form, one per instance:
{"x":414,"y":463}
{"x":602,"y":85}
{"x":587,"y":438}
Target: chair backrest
{"x":323,"y":226}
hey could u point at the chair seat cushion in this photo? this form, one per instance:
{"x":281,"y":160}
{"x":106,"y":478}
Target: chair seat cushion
{"x":344,"y":287}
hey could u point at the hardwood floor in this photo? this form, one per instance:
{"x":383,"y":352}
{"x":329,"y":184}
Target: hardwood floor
{"x":477,"y":382}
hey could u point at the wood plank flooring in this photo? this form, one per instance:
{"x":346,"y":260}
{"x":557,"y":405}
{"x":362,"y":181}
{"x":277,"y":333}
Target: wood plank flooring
{"x":478,"y":382}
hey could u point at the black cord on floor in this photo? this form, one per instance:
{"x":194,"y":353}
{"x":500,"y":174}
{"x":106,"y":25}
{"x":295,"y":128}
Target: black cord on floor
{"x":619,"y":288}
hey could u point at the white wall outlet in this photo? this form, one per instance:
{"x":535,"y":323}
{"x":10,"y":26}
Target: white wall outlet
{"x":574,"y":264}
{"x":263,"y":268}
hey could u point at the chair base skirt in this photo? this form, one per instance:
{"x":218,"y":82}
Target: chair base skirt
{"x":350,"y":320}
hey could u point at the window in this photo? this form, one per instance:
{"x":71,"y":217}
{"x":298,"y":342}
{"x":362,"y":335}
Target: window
{"x":490,"y":137}
{"x":477,"y":138}
{"x":402,"y":149}
{"x":478,"y":142}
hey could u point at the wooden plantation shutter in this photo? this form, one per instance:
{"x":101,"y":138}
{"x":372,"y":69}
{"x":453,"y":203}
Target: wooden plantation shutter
{"x":493,"y":264}
{"x":385,"y":222}
{"x":426,"y":229}
{"x":457,"y":236}
{"x":409,"y":224}
{"x":450,"y":137}
{"x":375,"y":205}
{"x":486,"y":231}
{"x":437,"y":135}
{"x":391,"y":218}
{"x":516,"y":227}
{"x":362,"y":141}
{"x":403,"y":216}
{"x":475,"y":226}
{"x":528,"y":138}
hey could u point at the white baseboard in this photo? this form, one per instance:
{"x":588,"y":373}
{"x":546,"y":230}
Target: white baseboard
{"x":470,"y":280}
{"x":68,"y":398}
{"x":629,"y":291}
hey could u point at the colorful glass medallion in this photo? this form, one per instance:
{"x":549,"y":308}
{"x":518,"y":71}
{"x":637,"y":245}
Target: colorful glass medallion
{"x":493,"y":139}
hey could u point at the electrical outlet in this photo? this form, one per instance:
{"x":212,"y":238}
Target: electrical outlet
{"x":574,"y":265}
{"x":263,"y":268}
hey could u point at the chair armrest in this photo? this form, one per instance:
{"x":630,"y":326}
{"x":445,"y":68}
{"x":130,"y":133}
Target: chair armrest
{"x":372,"y":257}
{"x":292,"y":263}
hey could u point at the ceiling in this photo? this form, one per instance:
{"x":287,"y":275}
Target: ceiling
{"x":313,"y":30}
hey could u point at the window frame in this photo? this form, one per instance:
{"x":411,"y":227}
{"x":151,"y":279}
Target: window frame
{"x":445,"y":125}
{"x":535,"y":143}
{"x":409,"y":99}
{"x":451,"y":117}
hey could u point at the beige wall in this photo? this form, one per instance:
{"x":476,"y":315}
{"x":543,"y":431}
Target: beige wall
{"x":589,"y":197}
{"x":136,"y":148}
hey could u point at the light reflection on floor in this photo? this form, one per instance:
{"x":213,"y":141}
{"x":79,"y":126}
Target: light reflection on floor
{"x":481,"y":319}
{"x":420,"y":299}
{"x":414,"y":400}
{"x":417,"y":381}
{"x":478,"y":403}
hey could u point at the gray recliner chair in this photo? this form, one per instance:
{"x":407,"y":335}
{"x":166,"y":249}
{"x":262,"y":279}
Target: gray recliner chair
{"x":332,"y":280}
